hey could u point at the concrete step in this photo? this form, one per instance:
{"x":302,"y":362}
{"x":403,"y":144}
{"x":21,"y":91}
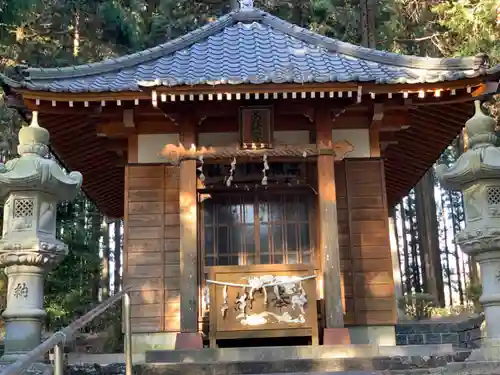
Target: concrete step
{"x":263,"y":354}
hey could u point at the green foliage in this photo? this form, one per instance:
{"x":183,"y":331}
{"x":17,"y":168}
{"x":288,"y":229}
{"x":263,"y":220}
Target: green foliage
{"x":441,"y":312}
{"x":468,"y":27}
{"x":70,"y":288}
{"x":418,"y":306}
{"x":473,"y":293}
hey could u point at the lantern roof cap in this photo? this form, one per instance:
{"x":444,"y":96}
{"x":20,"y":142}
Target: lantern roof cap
{"x":34,"y":169}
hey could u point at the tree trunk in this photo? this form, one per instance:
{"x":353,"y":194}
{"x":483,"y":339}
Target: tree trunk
{"x":105,"y":261}
{"x":364,"y":23}
{"x":76,"y":35}
{"x":371,"y":16}
{"x":396,"y":261}
{"x":446,"y":251}
{"x":368,"y":15}
{"x":406,"y":255}
{"x":427,"y":225}
{"x":95,"y":246}
{"x":456,"y":231}
{"x":117,"y":256}
{"x":415,"y":267}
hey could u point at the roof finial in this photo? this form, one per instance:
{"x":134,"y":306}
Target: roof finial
{"x":481,"y":129}
{"x":34,"y":119}
{"x":33,"y":139}
{"x":246,"y":4}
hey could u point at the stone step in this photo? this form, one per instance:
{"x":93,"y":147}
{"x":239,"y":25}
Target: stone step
{"x":90,"y":370}
{"x":280,"y":366}
{"x":252,"y":354}
{"x":329,"y":373}
{"x":263,"y":354}
{"x":454,"y":368}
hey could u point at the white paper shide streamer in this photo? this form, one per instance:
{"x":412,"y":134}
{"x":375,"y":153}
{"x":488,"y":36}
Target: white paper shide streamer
{"x":264,"y":171}
{"x":200,"y":169}
{"x":229,"y":180}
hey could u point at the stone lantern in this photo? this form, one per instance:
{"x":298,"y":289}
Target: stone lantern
{"x":476,"y":174}
{"x":31,"y":186}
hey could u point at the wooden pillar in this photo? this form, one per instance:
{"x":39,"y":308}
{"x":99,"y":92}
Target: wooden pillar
{"x":328,"y":234}
{"x":189,"y":337}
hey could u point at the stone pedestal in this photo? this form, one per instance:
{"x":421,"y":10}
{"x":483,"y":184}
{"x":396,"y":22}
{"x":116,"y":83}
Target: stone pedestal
{"x":31,"y":185}
{"x":188,"y":340}
{"x":476,"y":174}
{"x":24,"y":313}
{"x":336,"y":336}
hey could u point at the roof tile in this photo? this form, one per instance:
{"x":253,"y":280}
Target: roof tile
{"x":249,"y":47}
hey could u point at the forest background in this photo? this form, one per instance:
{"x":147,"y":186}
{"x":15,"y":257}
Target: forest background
{"x":49,"y":33}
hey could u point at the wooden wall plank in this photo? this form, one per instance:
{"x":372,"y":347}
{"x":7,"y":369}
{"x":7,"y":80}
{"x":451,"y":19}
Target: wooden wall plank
{"x":146,"y":220}
{"x":146,"y":258}
{"x":145,"y":195}
{"x":152,"y":247}
{"x":144,"y":245}
{"x":146,"y":171}
{"x":143,"y":297}
{"x":172,"y":244}
{"x":145,"y":233}
{"x":373,"y":284}
{"x":139,"y":284}
{"x":145,"y":325}
{"x":135,"y":208}
{"x":145,"y":183}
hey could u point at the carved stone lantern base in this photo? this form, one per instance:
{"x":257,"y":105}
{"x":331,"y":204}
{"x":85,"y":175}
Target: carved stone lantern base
{"x":26,"y":263}
{"x":24,"y":313}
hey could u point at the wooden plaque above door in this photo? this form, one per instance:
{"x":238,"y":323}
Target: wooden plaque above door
{"x":256,"y":126}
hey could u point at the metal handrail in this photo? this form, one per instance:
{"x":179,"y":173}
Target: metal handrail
{"x":58,"y":339}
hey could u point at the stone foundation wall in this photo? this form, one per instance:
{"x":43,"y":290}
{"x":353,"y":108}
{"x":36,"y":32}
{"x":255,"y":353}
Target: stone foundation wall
{"x":462,"y":334}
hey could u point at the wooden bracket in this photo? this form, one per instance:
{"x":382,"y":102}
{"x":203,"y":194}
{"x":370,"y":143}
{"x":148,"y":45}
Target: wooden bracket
{"x":487,"y":88}
{"x":375,"y":126}
{"x":387,"y":139}
{"x":118,"y":146}
{"x":128,"y":118}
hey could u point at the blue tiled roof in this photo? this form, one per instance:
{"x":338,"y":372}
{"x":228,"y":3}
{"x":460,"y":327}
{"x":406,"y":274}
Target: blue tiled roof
{"x":249,"y":46}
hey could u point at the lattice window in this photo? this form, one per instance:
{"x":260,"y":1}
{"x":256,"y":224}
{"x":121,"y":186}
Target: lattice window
{"x":23,"y":208}
{"x":243,"y":229}
{"x":493,"y":196}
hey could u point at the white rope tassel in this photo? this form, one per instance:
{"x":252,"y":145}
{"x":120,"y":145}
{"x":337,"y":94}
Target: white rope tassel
{"x":200,"y":169}
{"x":231,"y":173}
{"x":264,"y":171}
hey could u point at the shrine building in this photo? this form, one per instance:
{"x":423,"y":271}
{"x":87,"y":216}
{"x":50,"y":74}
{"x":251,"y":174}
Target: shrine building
{"x":254,"y":164}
